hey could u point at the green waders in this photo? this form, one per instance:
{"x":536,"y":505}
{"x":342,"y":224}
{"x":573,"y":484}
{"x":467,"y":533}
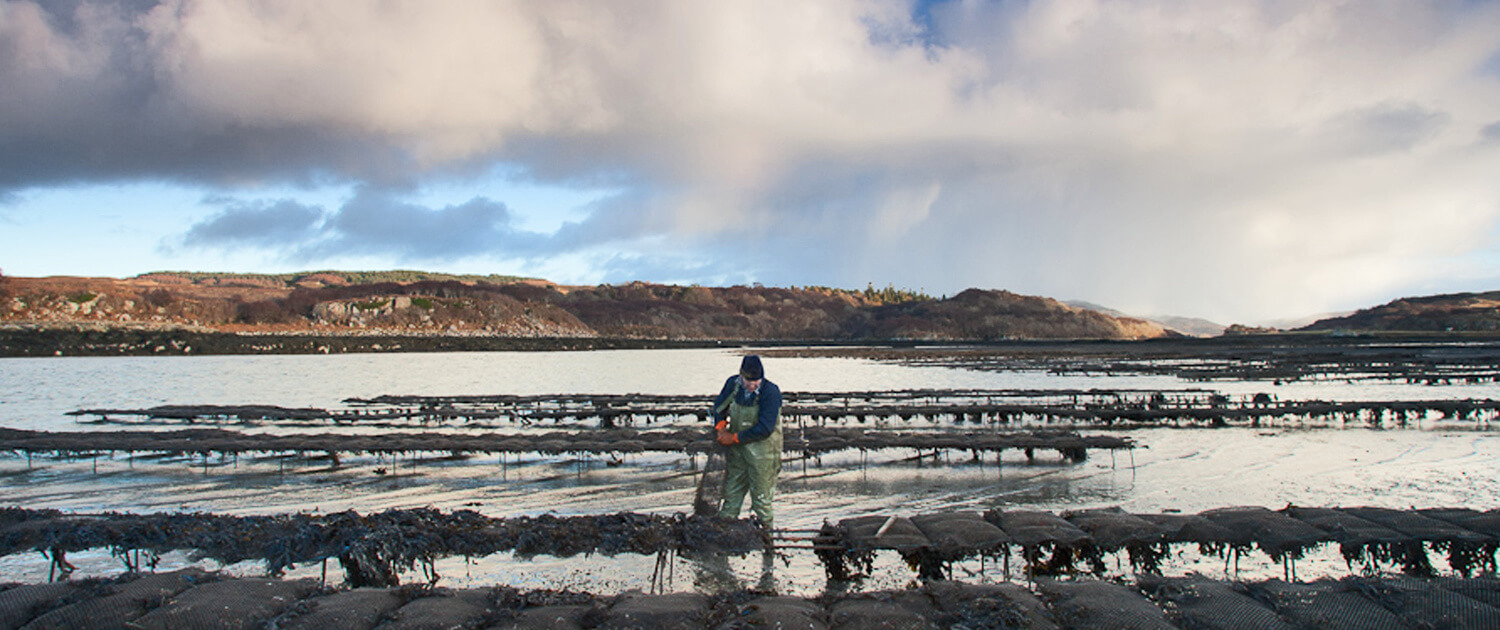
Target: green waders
{"x":750,"y":467}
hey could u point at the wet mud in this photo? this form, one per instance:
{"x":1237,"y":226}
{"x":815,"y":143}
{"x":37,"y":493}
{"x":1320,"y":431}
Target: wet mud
{"x":194,"y":599}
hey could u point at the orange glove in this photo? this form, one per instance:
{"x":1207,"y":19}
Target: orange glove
{"x":722,"y":425}
{"x":728,"y":439}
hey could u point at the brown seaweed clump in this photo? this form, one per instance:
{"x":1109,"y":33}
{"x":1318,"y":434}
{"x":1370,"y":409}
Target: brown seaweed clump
{"x":373,"y":549}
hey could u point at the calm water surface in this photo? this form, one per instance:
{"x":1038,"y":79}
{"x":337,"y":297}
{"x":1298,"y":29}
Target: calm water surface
{"x":35,"y":393}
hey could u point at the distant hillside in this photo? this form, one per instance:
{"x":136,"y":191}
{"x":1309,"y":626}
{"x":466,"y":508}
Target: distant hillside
{"x":1194,"y":326}
{"x":312,"y":279}
{"x":1457,"y":312}
{"x":416,"y":303}
{"x":1190,"y":326}
{"x":995,"y":315}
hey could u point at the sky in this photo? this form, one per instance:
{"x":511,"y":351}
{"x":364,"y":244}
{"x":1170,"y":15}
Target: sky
{"x":1243,"y":161}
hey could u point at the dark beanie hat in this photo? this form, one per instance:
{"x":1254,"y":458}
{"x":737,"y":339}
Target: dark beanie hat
{"x":750,"y":367}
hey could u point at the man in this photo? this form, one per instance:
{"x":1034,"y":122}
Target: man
{"x":747,"y":415}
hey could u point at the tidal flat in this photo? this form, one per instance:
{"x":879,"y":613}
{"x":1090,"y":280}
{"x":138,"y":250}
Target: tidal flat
{"x":1400,"y":461}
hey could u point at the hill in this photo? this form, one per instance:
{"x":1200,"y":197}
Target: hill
{"x":315,"y":279}
{"x":1190,"y":326}
{"x":994,"y":315}
{"x":1455,"y":312}
{"x":417,"y":303}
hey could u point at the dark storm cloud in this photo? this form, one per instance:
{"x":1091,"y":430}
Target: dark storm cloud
{"x":105,"y":91}
{"x":1206,"y":158}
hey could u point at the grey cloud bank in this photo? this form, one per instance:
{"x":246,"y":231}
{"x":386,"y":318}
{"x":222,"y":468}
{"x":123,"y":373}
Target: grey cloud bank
{"x":372,"y":221}
{"x":268,"y":224}
{"x":1233,"y":160}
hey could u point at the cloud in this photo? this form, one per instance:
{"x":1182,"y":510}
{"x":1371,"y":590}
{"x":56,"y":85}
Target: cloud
{"x":1234,"y":159}
{"x":1385,"y":128}
{"x":380,"y":222}
{"x":371,"y":221}
{"x":1491,"y":132}
{"x":255,"y":223}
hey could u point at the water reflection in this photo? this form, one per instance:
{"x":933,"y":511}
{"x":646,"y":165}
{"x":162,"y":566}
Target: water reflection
{"x":712,"y":573}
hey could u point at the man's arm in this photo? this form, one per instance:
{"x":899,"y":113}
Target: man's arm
{"x":720,"y":411}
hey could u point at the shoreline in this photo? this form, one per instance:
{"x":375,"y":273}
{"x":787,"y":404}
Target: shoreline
{"x":51,"y":341}
{"x":92,"y":339}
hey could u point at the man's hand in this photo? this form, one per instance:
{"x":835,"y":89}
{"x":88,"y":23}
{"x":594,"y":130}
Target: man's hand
{"x":727,"y":438}
{"x":721,"y":426}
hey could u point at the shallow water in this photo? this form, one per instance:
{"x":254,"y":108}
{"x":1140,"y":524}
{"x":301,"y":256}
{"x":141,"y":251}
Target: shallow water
{"x":1186,"y":470}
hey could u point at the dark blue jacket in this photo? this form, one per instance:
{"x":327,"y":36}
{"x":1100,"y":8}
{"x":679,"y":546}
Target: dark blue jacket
{"x":770,"y":406}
